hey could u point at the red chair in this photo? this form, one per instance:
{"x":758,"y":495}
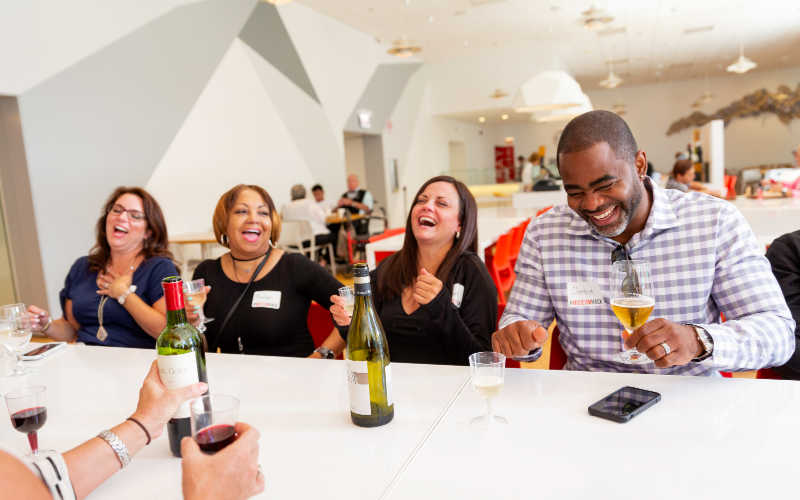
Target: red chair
{"x":500,"y":267}
{"x":545,"y":209}
{"x":517,"y":235}
{"x":730,"y":186}
{"x":320,"y":324}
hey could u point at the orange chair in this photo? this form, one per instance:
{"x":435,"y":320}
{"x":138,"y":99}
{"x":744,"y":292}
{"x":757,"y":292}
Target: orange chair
{"x":545,"y":209}
{"x":320,"y":324}
{"x":517,"y":235}
{"x":500,"y":267}
{"x":730,"y":186}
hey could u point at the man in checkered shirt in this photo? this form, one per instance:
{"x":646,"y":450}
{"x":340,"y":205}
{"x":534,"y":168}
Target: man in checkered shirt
{"x":703,"y":256}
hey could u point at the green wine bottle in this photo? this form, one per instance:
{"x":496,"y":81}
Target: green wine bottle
{"x":369,"y":373}
{"x":181,"y":358}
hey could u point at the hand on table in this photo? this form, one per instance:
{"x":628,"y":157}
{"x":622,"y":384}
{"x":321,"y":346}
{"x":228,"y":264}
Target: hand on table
{"x":157,"y":404}
{"x":518,"y":339}
{"x":340,"y":316}
{"x":681,"y":339}
{"x":232,"y":473}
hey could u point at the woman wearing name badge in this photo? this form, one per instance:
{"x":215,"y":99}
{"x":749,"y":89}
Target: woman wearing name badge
{"x":259,"y":296}
{"x":434,"y":297}
{"x":113,"y":296}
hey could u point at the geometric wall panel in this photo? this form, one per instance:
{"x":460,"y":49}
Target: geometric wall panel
{"x":381,"y":96}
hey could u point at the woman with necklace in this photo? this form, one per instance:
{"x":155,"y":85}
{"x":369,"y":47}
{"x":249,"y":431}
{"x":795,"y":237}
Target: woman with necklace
{"x":260,"y":296}
{"x":113,"y":296}
{"x":434,"y":297}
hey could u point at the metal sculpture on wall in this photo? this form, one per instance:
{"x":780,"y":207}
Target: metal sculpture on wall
{"x":785,"y":103}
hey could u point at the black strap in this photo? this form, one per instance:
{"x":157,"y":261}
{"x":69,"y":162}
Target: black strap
{"x":238,"y":300}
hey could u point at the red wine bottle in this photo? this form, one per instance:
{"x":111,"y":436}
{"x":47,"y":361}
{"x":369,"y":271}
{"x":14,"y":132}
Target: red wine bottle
{"x":181,"y":358}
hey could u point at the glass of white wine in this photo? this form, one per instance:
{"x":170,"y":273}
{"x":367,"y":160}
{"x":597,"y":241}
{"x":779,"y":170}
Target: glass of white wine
{"x":632,"y":300}
{"x":195,"y":291}
{"x":488,"y":372}
{"x":346,"y":293}
{"x":15,"y":332}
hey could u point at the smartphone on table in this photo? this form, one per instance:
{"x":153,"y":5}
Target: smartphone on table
{"x":42,"y":351}
{"x":624,"y":404}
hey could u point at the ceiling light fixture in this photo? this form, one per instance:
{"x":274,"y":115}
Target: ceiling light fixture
{"x":504,"y":116}
{"x":498,"y":94}
{"x":564,"y":114}
{"x":481,"y":119}
{"x":402,"y":47}
{"x":595,"y":19}
{"x":743,"y":64}
{"x":548,"y":90}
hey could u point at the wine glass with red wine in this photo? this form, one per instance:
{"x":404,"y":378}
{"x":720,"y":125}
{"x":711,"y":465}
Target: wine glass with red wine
{"x":28,"y":412}
{"x":213,"y":418}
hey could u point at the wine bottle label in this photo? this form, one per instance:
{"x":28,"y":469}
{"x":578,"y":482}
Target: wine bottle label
{"x":358,"y":384}
{"x":361,"y":280}
{"x":176,"y":371}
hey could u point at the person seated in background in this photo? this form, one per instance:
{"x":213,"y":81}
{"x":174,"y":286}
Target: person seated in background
{"x":784,"y":257}
{"x":301,"y":208}
{"x":260,"y":295}
{"x":526,"y":177}
{"x":113,"y":297}
{"x":682,"y":179}
{"x":357,"y":201}
{"x":705,"y":260}
{"x":232,"y":473}
{"x":434,"y":297}
{"x":327,"y":206}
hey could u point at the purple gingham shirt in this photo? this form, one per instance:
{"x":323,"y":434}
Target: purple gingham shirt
{"x":704,"y":260}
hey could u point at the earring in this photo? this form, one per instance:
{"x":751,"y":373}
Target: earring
{"x":224,"y":239}
{"x":271,"y":243}
{"x":458,"y":234}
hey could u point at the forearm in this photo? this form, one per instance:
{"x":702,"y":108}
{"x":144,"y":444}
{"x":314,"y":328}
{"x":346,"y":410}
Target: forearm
{"x":61,"y":329}
{"x":94,"y":461}
{"x":149,"y":319}
{"x":334,"y":342}
{"x":752,"y":342}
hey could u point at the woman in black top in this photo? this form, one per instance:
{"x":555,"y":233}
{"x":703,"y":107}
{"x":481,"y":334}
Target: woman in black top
{"x":434,"y":297}
{"x":271,"y":317}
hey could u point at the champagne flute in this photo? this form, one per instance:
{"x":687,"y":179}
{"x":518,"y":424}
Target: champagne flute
{"x":213,"y":418}
{"x":195,"y":292}
{"x":632,"y":301}
{"x":28,"y":412}
{"x":346,"y":293}
{"x":488,"y":370}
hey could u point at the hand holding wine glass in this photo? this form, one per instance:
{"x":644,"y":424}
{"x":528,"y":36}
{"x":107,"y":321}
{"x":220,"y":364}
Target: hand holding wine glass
{"x":339,"y":311}
{"x":233,"y":473}
{"x":196,"y":292}
{"x":632,"y":300}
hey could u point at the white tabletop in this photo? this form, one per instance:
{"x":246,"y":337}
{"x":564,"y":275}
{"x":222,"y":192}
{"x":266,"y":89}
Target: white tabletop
{"x":309,"y":447}
{"x":706,"y":438}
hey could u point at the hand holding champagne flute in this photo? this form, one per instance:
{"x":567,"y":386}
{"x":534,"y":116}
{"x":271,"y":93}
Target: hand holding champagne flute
{"x":632,"y":300}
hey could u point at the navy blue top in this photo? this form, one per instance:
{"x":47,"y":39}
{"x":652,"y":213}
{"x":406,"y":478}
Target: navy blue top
{"x":81,"y":288}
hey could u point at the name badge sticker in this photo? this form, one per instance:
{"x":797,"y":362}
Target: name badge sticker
{"x":458,"y":294}
{"x":269,"y":299}
{"x":584,"y":293}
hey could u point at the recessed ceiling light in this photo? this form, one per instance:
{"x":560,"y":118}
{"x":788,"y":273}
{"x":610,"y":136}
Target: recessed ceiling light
{"x":402,"y":47}
{"x":697,"y":29}
{"x":466,"y":43}
{"x":481,"y":119}
{"x":509,"y":140}
{"x":504,"y":116}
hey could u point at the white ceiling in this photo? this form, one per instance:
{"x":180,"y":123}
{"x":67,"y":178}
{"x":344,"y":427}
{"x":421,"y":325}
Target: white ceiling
{"x":651,"y":44}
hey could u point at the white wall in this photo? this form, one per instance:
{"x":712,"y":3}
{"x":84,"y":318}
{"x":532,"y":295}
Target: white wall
{"x":354,"y":158}
{"x":651,"y":108}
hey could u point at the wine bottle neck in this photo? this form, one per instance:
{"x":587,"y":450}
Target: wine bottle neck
{"x":176,"y":317}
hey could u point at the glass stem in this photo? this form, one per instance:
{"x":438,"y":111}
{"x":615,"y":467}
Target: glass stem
{"x":489,"y":410}
{"x":33,"y":440}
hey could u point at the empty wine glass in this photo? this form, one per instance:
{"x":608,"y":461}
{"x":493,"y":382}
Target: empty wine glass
{"x":213,"y":420}
{"x":15,"y":332}
{"x":346,"y":293}
{"x":488,"y":372}
{"x":195,"y":292}
{"x":28,"y":412}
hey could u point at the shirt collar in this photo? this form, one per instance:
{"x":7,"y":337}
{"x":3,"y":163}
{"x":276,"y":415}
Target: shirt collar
{"x":662,"y":216}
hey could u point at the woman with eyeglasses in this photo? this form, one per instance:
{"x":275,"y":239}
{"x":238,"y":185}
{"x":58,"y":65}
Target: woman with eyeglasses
{"x":113,"y":296}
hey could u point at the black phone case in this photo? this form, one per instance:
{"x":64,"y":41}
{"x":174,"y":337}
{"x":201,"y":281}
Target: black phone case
{"x":616,"y":417}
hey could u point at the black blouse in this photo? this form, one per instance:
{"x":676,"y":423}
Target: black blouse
{"x":271,"y":318}
{"x":441,"y":331}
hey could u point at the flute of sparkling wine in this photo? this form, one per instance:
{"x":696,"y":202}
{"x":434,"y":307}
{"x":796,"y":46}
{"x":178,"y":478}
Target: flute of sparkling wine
{"x":632,"y":301}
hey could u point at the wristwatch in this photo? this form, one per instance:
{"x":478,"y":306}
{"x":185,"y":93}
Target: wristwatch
{"x":325,"y":352}
{"x":706,"y":341}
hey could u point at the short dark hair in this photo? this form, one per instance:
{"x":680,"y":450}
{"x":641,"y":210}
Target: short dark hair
{"x":591,"y":128}
{"x":316,"y":187}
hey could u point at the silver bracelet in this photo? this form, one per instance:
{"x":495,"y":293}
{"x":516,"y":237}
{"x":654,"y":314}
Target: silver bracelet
{"x":121,"y":298}
{"x":117,"y":445}
{"x":47,"y":325}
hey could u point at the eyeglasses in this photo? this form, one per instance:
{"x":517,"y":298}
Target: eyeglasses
{"x":136,"y":215}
